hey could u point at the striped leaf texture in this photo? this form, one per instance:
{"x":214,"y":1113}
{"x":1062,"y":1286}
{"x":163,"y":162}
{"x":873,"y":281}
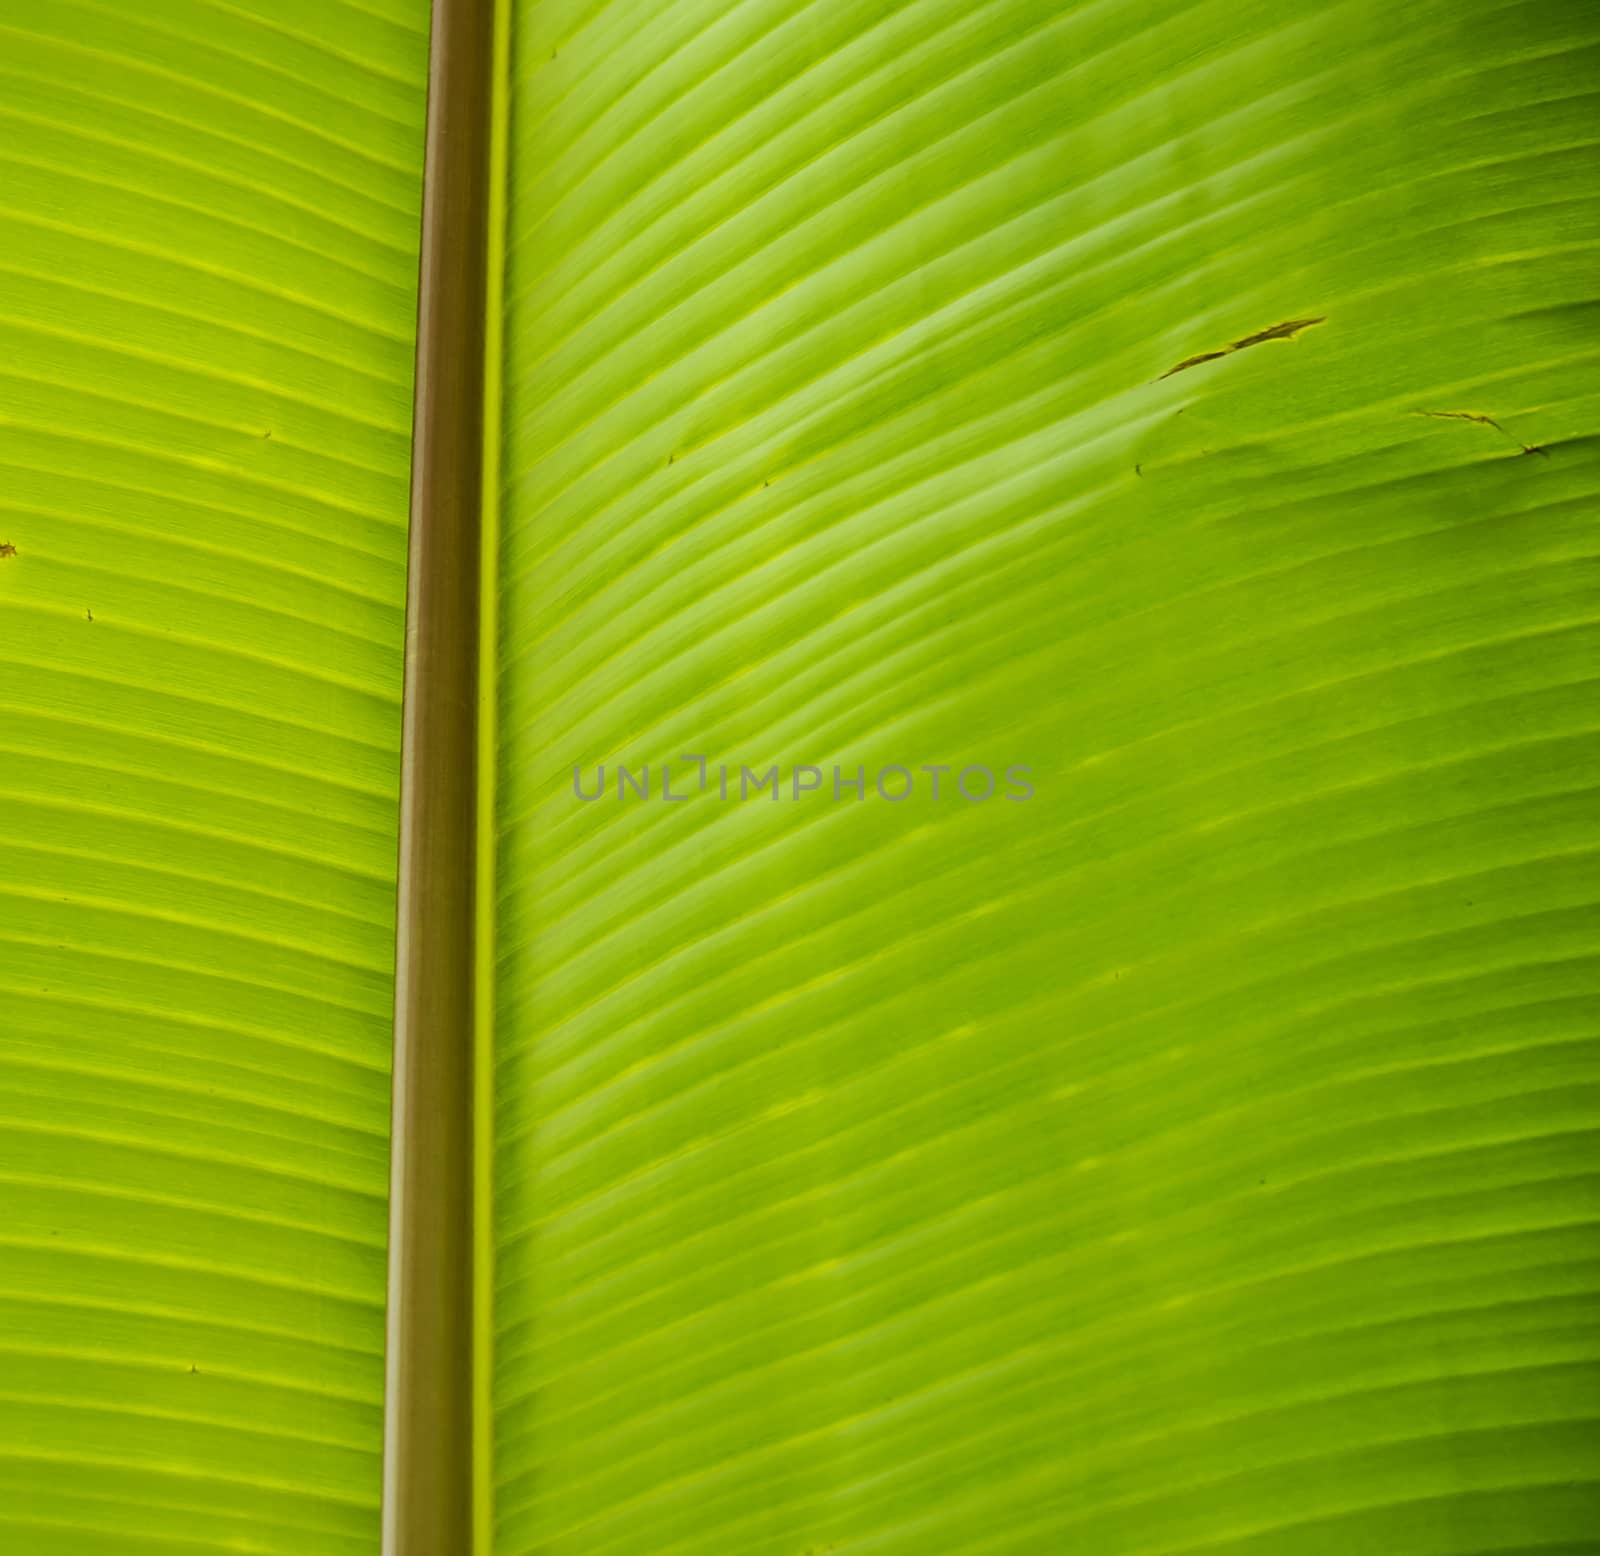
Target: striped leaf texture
{"x":208,"y":255}
{"x":1193,"y":401}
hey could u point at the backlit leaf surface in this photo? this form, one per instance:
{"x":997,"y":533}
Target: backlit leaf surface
{"x":208,"y":251}
{"x":1194,"y":402}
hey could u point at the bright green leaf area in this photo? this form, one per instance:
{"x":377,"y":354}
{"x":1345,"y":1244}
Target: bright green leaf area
{"x":208,"y":251}
{"x":1201,"y":1155}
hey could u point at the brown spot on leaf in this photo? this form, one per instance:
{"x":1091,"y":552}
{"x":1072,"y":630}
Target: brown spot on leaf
{"x":1536,"y":448}
{"x":1288,"y":330}
{"x":7,"y":549}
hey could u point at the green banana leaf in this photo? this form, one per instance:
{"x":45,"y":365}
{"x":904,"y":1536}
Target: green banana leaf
{"x":1200,"y":1154}
{"x":208,"y":254}
{"x":1191,"y":1147}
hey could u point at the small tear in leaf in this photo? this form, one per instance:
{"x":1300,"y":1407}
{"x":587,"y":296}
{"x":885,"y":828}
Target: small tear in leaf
{"x":89,"y":614}
{"x":1536,"y":448}
{"x":1138,"y":469}
{"x":1285,"y":331}
{"x":1188,"y":362}
{"x":1472,"y":416}
{"x":1288,"y":330}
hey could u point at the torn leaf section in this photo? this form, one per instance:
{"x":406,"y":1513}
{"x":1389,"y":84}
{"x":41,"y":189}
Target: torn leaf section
{"x":1474,"y":416}
{"x":1481,"y":420}
{"x":1288,"y":330}
{"x":1205,"y":356}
